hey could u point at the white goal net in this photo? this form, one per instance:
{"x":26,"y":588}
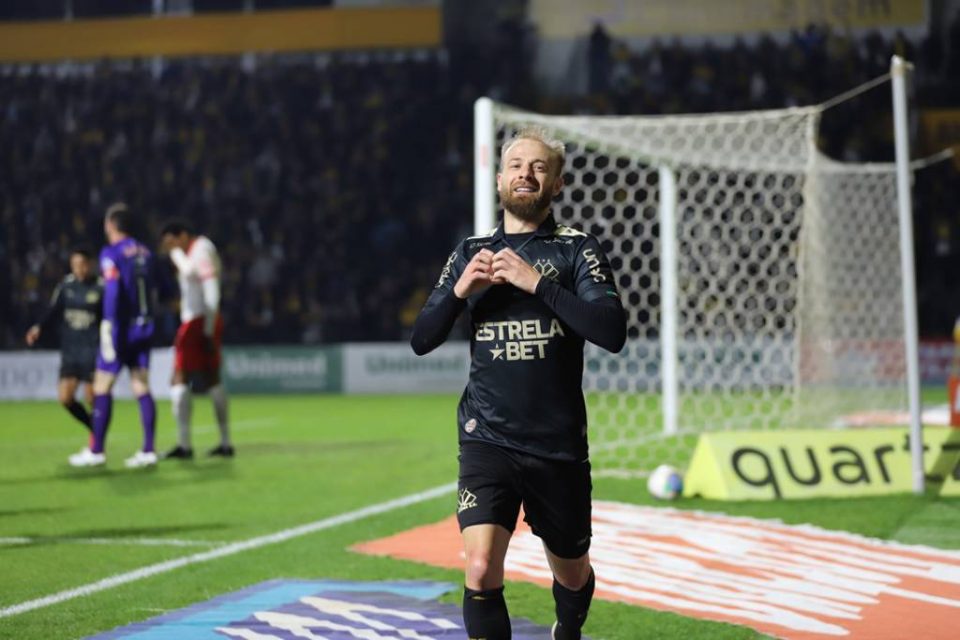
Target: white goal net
{"x":762,"y":281}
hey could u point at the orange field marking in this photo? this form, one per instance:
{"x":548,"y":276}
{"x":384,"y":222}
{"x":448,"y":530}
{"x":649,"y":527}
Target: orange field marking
{"x":795,"y":582}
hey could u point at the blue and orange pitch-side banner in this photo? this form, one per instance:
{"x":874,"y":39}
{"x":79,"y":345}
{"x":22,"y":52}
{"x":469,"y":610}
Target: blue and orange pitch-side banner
{"x":335,"y":609}
{"x":790,"y":582}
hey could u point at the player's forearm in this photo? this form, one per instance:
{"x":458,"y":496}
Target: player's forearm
{"x":434,"y":323}
{"x":49,"y":318}
{"x":182,"y":262}
{"x":211,"y":304}
{"x":52,"y":313}
{"x":109,"y":337}
{"x":111,"y":296}
{"x":602,"y":322}
{"x":109,"y":324}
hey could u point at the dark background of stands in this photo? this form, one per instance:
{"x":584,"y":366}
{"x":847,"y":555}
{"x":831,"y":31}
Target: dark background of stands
{"x":335,"y":184}
{"x":56,"y":9}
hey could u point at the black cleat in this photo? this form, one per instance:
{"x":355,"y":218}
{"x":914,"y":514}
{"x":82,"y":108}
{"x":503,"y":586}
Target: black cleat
{"x":559,"y":632}
{"x":223,"y":450}
{"x":178,"y":452}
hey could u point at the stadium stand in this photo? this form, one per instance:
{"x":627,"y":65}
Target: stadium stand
{"x":335,"y":182}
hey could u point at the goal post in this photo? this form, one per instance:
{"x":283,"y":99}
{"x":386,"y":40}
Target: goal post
{"x":764,"y":283}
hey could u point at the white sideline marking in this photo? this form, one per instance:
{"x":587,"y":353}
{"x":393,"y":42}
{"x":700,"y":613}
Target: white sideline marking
{"x":200,"y":429}
{"x":239,"y":425}
{"x":227,"y":550}
{"x":145,"y":542}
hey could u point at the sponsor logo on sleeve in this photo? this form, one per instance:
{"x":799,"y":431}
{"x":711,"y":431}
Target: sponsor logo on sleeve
{"x":593,"y":262}
{"x":109,"y":269}
{"x":447,"y":268}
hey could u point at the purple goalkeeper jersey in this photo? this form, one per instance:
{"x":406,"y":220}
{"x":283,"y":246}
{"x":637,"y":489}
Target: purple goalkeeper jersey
{"x":129,"y":280}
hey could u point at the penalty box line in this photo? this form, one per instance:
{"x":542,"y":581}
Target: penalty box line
{"x":227,"y":550}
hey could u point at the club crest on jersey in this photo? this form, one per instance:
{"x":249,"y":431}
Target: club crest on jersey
{"x":546,"y":269}
{"x":518,"y":339}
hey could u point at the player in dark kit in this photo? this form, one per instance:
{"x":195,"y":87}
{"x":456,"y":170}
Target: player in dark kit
{"x":75,"y":306}
{"x":126,"y":332}
{"x":534,"y":291}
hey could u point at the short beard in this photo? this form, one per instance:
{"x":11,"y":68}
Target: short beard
{"x":526,"y":209}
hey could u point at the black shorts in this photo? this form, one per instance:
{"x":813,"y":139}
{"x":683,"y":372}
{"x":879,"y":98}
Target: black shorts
{"x":555,"y":494}
{"x":81,"y":370}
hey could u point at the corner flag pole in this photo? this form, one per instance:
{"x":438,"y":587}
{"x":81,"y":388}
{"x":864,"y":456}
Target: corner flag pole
{"x":898,"y":71}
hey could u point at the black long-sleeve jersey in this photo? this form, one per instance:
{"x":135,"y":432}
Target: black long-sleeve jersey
{"x":525,"y":387}
{"x":77,"y":306}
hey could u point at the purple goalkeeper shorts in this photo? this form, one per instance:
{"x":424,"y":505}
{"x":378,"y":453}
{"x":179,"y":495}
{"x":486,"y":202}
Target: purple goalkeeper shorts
{"x":133,"y":356}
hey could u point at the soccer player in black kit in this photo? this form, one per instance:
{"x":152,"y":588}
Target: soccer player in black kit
{"x":76,"y":307}
{"x":534,"y":291}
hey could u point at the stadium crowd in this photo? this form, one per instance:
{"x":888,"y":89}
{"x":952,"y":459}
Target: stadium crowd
{"x":325,"y":185}
{"x":334,"y":184}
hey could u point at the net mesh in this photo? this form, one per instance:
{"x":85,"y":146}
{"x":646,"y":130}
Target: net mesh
{"x":789,"y":291}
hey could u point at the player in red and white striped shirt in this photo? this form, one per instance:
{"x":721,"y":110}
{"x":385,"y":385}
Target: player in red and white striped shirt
{"x":197,"y":357}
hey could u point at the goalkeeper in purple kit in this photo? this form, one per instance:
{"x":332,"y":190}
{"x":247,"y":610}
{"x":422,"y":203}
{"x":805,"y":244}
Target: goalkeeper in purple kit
{"x":126,"y":333}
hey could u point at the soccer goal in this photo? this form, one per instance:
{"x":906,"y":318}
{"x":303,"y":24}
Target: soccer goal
{"x":764,"y":283}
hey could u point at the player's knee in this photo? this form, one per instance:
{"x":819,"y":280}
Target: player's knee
{"x":139,"y":385}
{"x":66,"y":399}
{"x":102,"y":383}
{"x":199,"y":382}
{"x":481,"y":571}
{"x":573,"y":576}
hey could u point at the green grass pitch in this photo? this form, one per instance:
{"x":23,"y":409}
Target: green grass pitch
{"x":300,"y":459}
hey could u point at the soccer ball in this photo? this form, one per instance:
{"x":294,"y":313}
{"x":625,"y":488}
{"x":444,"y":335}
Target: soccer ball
{"x":665,"y":483}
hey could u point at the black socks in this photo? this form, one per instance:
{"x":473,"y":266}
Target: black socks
{"x":572,"y":608}
{"x":485,"y":614}
{"x":80,"y":412}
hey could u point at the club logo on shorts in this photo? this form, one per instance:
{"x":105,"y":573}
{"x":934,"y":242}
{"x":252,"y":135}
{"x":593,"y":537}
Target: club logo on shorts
{"x":470,"y":426}
{"x":467,"y":500}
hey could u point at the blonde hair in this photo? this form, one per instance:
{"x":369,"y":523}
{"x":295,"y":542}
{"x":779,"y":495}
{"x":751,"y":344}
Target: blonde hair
{"x":558,"y":151}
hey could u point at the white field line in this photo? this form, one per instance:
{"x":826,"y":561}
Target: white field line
{"x":144,"y":542}
{"x":239,"y":425}
{"x":201,"y":429}
{"x":227,"y":550}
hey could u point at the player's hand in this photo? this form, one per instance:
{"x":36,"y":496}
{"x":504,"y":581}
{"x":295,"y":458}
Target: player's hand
{"x":477,"y":276}
{"x":33,"y":333}
{"x":508,"y":266}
